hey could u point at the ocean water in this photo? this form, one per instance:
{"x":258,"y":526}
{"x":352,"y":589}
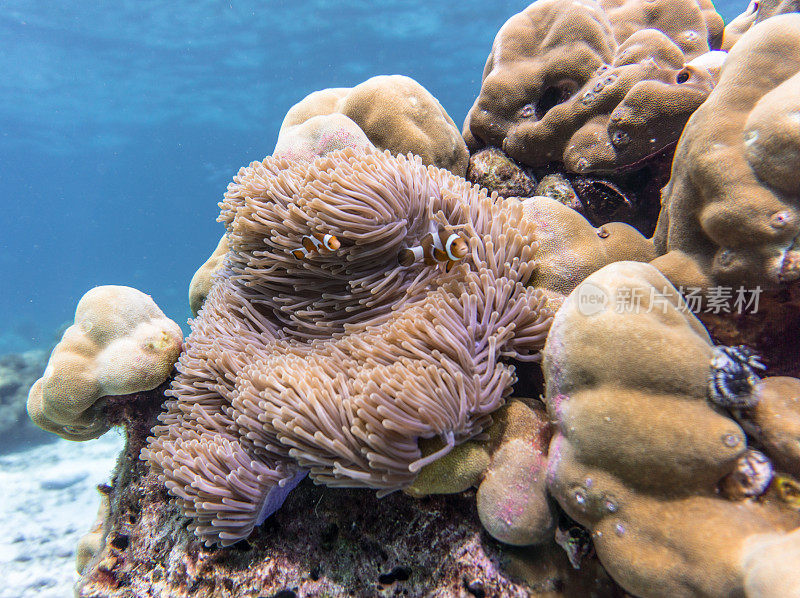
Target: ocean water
{"x":122,"y":123}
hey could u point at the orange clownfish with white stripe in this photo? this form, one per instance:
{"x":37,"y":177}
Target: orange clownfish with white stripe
{"x":316,"y":243}
{"x":436,"y":248}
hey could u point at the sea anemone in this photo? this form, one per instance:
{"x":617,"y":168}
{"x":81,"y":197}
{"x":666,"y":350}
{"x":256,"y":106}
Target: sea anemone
{"x":339,"y":362}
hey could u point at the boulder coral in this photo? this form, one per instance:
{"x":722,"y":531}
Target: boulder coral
{"x":507,"y":468}
{"x":391,"y":112}
{"x":570,"y":249}
{"x":756,"y":12}
{"x":730,"y":212}
{"x":334,"y":363}
{"x":120,"y":343}
{"x":639,"y":452}
{"x":203,"y":279}
{"x":598,"y":86}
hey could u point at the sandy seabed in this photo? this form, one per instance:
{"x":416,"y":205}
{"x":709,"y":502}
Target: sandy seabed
{"x":48,"y":500}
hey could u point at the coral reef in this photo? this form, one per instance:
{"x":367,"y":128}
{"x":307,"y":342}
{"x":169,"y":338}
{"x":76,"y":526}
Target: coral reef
{"x":368,"y":315}
{"x":756,"y":12}
{"x":120,"y":343}
{"x":334,"y":363}
{"x":730,"y":220}
{"x":323,"y":542}
{"x":730,"y":214}
{"x":599,"y":86}
{"x":508,"y":470}
{"x":640,"y":451}
{"x":393,"y":112}
{"x":18,"y":372}
{"x":570,"y":249}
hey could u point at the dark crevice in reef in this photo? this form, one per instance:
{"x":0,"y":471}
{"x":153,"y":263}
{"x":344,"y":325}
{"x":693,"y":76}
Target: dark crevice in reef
{"x":764,"y":328}
{"x":322,"y":542}
{"x":631,"y":195}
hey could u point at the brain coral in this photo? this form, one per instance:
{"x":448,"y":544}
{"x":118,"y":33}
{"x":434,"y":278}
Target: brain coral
{"x":640,"y":451}
{"x":120,"y":343}
{"x":730,"y":211}
{"x":338,"y":362}
{"x":599,"y":86}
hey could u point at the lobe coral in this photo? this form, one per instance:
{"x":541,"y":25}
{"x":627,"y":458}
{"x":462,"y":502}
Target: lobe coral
{"x":599,"y":86}
{"x":730,"y":211}
{"x":332,"y":359}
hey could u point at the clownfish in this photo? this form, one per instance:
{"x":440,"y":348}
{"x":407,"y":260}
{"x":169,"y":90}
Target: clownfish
{"x":436,"y":248}
{"x":316,"y":242}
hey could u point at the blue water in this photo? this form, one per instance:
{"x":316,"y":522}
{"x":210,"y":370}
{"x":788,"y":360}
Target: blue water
{"x":122,"y":122}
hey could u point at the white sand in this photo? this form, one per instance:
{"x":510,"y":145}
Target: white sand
{"x":48,"y":500}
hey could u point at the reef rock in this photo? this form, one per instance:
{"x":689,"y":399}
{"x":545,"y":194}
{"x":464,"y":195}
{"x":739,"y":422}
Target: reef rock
{"x":322,"y":542}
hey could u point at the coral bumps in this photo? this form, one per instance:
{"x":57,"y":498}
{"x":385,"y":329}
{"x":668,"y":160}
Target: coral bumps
{"x":335,"y":361}
{"x":598,"y":86}
{"x":642,"y":458}
{"x":730,"y":211}
{"x":121,"y":343}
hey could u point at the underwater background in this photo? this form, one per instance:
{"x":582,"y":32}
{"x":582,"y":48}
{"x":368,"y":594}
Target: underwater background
{"x":122,"y":124}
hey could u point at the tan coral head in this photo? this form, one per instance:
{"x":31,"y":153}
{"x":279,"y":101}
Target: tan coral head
{"x":120,"y":343}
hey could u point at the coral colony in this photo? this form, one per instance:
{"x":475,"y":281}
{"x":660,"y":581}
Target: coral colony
{"x":397,"y":311}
